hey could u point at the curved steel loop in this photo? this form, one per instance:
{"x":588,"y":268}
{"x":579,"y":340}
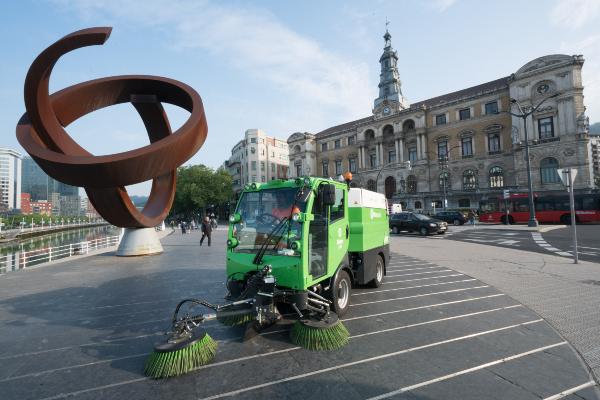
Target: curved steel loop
{"x":41,"y":132}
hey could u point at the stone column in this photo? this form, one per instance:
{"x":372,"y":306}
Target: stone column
{"x":396,"y":146}
{"x":418,"y":147}
{"x":401,"y":148}
{"x":377,"y":159}
{"x":423,"y":146}
{"x":359,"y":156}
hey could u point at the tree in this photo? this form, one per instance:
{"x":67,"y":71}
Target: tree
{"x":199,"y":187}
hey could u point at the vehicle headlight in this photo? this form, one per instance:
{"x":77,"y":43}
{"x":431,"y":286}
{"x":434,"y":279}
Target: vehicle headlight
{"x":231,"y":243}
{"x":432,"y":225}
{"x":296,"y":217}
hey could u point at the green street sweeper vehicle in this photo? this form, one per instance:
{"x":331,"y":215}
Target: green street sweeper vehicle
{"x":295,"y":249}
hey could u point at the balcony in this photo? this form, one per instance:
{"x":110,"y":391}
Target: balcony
{"x":491,"y":153}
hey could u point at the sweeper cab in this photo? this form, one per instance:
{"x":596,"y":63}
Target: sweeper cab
{"x":295,"y":250}
{"x":317,"y":237}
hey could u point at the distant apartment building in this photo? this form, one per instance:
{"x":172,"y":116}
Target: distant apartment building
{"x":25,"y":203}
{"x":257,"y":158}
{"x":42,"y":207}
{"x":10,"y":179}
{"x":37,"y":183}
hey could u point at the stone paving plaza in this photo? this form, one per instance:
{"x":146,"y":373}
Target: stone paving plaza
{"x":452,"y":321}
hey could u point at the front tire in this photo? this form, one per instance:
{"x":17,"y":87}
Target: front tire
{"x":456,"y":222}
{"x":395,"y":230}
{"x":423,"y":231}
{"x":379,"y":272}
{"x":340,"y":293}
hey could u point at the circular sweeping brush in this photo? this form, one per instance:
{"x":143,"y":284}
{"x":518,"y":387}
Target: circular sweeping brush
{"x":180,"y":355}
{"x":326,"y":334}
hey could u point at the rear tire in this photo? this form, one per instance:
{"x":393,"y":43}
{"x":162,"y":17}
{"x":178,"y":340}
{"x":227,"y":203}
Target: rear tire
{"x":423,"y":231}
{"x":566,"y":219}
{"x":395,"y":230}
{"x":340,"y":293}
{"x":456,"y":222}
{"x":379,"y":271}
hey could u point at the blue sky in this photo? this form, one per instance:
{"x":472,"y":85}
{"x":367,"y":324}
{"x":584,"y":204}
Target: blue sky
{"x":285,"y":66}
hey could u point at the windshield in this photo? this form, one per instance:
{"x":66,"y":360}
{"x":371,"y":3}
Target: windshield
{"x":422,"y":217}
{"x":261,"y":213}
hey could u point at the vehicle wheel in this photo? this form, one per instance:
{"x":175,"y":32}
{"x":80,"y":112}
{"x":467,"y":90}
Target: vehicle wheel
{"x":442,"y":233}
{"x":395,"y":230}
{"x":566,"y":219}
{"x":423,"y":231}
{"x":379,"y":270}
{"x":511,"y":220}
{"x":456,"y":222}
{"x":340,"y":293}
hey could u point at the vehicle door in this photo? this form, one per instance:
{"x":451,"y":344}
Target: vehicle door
{"x":338,"y":230}
{"x":318,"y":237}
{"x":412,"y":223}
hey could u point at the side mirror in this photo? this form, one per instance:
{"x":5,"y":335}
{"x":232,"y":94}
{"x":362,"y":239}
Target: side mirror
{"x":328,"y":193}
{"x":235,"y":218}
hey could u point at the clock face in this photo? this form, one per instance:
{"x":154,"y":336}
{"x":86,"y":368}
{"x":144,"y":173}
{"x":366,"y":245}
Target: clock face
{"x":543,"y":88}
{"x":386,"y":110}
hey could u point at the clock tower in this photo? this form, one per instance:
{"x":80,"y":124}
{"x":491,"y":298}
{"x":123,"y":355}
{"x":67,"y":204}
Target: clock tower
{"x":390,"y":94}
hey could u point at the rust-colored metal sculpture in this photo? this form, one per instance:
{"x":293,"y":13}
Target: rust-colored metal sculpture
{"x":41,"y":133}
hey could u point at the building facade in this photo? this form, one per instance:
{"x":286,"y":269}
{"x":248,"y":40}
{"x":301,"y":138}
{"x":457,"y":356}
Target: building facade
{"x":462,"y":148}
{"x":39,"y":185}
{"x":257,"y":158}
{"x":10,"y":179}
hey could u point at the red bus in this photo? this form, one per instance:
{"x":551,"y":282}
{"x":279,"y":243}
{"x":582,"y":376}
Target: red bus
{"x":551,"y":208}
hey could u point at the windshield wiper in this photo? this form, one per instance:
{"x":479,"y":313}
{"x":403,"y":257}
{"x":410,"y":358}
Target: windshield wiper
{"x":263,"y":248}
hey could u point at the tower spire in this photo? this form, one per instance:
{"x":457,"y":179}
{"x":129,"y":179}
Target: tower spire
{"x":389,"y":79}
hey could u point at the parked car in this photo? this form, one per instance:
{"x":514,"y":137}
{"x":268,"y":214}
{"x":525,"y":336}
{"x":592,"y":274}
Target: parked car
{"x":413,"y":222}
{"x":451,"y":217}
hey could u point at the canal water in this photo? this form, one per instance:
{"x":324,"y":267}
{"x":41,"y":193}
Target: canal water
{"x":10,"y":252}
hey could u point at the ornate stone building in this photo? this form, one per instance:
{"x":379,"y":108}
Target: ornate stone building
{"x":462,"y":146}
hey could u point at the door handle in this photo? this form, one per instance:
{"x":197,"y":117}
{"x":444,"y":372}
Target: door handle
{"x":347,"y":231}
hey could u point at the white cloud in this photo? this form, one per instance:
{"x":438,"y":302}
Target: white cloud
{"x":575,"y":13}
{"x":442,"y":5}
{"x":256,"y":43}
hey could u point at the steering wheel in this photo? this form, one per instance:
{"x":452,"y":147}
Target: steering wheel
{"x":268,"y":219}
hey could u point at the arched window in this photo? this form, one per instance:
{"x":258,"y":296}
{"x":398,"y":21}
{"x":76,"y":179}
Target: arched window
{"x":496,"y":177}
{"x":371,"y":185}
{"x":411,"y":184}
{"x":390,"y":186}
{"x":444,"y":180}
{"x":469,"y":180}
{"x":408,"y":125}
{"x":369,"y":134}
{"x":297,"y":149}
{"x":418,"y":205}
{"x":548,"y":172}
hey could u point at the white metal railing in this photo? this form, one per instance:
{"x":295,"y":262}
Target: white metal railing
{"x":23,"y":259}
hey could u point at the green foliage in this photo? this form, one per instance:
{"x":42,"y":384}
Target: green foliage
{"x":199,"y":187}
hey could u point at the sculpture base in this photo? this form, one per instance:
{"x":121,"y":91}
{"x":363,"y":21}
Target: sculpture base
{"x":139,"y":242}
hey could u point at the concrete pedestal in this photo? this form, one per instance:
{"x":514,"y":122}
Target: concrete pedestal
{"x":139,"y":242}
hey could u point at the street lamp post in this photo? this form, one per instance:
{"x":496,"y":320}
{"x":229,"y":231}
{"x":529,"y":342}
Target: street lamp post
{"x":443,"y":165}
{"x":524,"y":113}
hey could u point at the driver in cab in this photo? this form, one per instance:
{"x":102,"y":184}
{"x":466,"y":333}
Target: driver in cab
{"x":285,"y":205}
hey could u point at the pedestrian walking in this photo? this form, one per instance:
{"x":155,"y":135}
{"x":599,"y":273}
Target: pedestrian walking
{"x":471,"y":217}
{"x":206,"y":230}
{"x":182,"y":228}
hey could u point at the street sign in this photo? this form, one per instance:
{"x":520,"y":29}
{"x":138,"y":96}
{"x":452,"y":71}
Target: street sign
{"x":563,"y":174}
{"x":506,"y":194}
